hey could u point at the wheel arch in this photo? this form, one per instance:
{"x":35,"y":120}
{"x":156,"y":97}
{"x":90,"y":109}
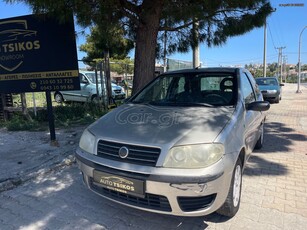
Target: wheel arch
{"x":242,"y":157}
{"x":93,"y":96}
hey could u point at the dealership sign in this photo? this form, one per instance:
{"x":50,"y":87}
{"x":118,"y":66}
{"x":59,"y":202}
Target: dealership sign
{"x":37,"y":53}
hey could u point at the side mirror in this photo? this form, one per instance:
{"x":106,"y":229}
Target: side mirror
{"x":281,"y":84}
{"x":258,"y":106}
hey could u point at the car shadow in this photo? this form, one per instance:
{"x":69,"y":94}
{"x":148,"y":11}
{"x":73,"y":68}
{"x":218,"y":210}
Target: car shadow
{"x":279,"y":139}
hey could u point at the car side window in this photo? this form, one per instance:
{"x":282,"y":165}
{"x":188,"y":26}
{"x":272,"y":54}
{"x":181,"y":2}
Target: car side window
{"x":254,"y":85}
{"x":82,"y":78}
{"x":247,"y":89}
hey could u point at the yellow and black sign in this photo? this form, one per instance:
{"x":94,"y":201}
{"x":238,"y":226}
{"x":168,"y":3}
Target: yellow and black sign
{"x":120,"y":184}
{"x":37,"y":53}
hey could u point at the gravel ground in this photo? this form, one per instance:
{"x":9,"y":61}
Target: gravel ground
{"x":26,"y":154}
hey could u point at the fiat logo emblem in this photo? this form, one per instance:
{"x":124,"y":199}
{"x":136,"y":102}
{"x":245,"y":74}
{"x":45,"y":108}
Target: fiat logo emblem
{"x":123,"y":152}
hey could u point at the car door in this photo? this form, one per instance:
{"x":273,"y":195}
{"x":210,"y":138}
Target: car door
{"x":86,"y":87}
{"x":75,"y":95}
{"x":252,"y":119}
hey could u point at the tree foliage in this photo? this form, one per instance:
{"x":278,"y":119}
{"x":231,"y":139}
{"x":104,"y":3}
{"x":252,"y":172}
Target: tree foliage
{"x":257,"y":70}
{"x":97,"y":43}
{"x":217,"y":21}
{"x":145,"y":20}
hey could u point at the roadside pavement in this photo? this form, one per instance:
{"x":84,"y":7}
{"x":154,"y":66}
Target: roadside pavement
{"x":24,"y":155}
{"x":275,"y":181}
{"x":274,"y":191}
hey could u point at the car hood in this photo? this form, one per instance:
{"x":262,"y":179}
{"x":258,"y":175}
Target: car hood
{"x":116,"y":87}
{"x":93,"y":86}
{"x":157,"y":125}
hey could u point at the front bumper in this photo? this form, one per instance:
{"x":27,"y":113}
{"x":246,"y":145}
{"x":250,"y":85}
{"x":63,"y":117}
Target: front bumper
{"x":119,"y":96}
{"x":270,"y":95}
{"x":172,"y":193}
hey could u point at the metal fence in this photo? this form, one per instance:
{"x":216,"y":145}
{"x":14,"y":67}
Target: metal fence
{"x":173,"y":64}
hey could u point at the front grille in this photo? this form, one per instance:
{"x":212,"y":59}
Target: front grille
{"x":150,"y":201}
{"x":189,"y":204}
{"x":140,"y":155}
{"x":119,"y":96}
{"x":117,"y":91}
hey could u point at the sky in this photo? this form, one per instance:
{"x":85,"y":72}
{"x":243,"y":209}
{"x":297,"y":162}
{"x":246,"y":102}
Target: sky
{"x":284,"y":27}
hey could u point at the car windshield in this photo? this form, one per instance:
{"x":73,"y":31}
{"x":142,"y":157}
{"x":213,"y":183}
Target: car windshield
{"x":269,"y":81}
{"x":192,"y":89}
{"x":92,"y":77}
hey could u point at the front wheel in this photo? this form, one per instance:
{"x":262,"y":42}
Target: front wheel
{"x":232,"y":203}
{"x":58,"y":97}
{"x":95,"y":99}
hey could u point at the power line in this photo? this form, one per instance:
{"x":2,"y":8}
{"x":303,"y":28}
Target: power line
{"x":271,"y":35}
{"x":279,"y":35}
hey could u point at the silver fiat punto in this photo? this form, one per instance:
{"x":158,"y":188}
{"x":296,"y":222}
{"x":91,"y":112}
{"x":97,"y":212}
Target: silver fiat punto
{"x":180,"y":145}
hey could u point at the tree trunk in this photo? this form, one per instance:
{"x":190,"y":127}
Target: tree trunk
{"x":146,"y":41}
{"x":108,"y":77}
{"x":24,"y":107}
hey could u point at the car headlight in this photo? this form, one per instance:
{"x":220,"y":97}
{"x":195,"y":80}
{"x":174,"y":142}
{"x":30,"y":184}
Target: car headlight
{"x":194,"y":156}
{"x":87,"y":141}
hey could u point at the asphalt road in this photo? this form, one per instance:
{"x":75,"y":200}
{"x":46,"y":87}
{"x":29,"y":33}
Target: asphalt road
{"x":274,"y":189}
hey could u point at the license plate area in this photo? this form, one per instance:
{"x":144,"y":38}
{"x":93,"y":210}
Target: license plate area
{"x":120,"y":184}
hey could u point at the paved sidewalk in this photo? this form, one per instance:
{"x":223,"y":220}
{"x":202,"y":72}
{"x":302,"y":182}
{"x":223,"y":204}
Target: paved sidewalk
{"x":275,"y":182}
{"x":274,"y":185}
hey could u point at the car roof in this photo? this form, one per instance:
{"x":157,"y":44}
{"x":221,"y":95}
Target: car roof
{"x":266,"y":78}
{"x":85,"y":71}
{"x":210,"y":69}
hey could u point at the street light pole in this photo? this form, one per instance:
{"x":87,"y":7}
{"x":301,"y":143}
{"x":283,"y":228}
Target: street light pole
{"x":264,"y":49}
{"x":299,"y":62}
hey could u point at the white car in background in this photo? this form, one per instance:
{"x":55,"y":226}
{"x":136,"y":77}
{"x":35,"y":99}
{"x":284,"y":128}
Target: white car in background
{"x":88,"y":90}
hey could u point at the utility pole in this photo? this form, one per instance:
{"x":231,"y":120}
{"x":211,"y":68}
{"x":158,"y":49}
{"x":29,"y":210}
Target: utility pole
{"x":285,"y":67}
{"x":279,"y":69}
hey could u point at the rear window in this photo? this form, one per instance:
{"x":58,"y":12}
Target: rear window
{"x":269,"y":81}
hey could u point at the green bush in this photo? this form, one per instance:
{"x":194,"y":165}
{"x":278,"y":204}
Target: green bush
{"x":19,"y":122}
{"x":65,"y":115}
{"x":77,"y":113}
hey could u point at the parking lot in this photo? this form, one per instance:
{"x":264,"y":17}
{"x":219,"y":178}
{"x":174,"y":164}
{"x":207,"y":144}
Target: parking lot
{"x":274,"y":194}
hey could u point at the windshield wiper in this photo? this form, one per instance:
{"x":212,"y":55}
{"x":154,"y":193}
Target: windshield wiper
{"x":176,"y":103}
{"x":192,"y":104}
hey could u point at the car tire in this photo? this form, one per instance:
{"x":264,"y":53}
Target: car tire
{"x":232,"y":203}
{"x":58,"y":97}
{"x":95,"y":99}
{"x":259,"y":143}
{"x":277,"y":100}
